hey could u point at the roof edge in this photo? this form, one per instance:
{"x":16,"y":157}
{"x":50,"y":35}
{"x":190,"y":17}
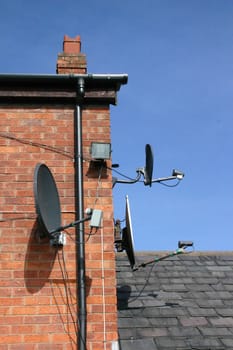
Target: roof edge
{"x":109,"y":79}
{"x":194,"y":253}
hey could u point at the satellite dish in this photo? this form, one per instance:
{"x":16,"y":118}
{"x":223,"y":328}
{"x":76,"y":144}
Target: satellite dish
{"x":49,"y":211}
{"x":46,"y":200}
{"x":148,"y":170}
{"x":127,"y":236}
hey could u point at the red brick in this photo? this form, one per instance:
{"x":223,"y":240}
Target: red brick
{"x":36,"y":338}
{"x":11,"y":339}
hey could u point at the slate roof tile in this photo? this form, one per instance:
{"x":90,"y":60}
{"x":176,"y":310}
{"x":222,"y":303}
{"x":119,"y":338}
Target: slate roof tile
{"x":169,"y":295}
{"x":215,"y":331}
{"x":174,"y":287}
{"x":224,"y":311}
{"x":183,"y":331}
{"x":219,"y":295}
{"x":200,"y":287}
{"x":219,"y":268}
{"x":221,"y":321}
{"x":138,"y":344}
{"x":162,"y":321}
{"x":152,"y":332}
{"x":127,"y":334}
{"x":228,"y":287}
{"x":207,"y":280}
{"x":182,"y":303}
{"x":171,"y":343}
{"x":227,"y":342}
{"x":209,"y":303}
{"x":228,"y":302}
{"x":197,"y":311}
{"x":133,"y":322}
{"x":205,"y":343}
{"x":193,"y":321}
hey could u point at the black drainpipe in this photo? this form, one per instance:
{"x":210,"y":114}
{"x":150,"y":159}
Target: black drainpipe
{"x":80,"y":241}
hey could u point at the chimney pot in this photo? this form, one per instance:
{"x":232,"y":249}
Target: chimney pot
{"x":72,"y":45}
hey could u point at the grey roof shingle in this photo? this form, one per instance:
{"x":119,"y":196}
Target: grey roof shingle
{"x":184,"y":302}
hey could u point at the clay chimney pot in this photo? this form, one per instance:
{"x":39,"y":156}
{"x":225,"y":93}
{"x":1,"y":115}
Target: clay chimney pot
{"x":72,"y":45}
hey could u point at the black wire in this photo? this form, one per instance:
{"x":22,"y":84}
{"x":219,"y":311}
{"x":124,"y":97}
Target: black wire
{"x":54,"y":296}
{"x":66,"y":275}
{"x":68,"y":297}
{"x":19,"y":218}
{"x":130,"y":178}
{"x":75,"y":240}
{"x":164,"y":184}
{"x":90,"y":234}
{"x":123,"y":220}
{"x":98,"y":185}
{"x":39,"y":145}
{"x":116,"y":171}
{"x":148,"y":277}
{"x":144,"y":286}
{"x":68,"y":293}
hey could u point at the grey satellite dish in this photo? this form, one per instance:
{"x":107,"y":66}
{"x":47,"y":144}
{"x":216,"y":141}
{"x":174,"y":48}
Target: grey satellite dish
{"x":127,"y":236}
{"x":148,"y":170}
{"x":48,"y":208}
{"x":47,"y":200}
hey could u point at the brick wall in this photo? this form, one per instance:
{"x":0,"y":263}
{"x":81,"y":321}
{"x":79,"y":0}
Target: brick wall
{"x":38,"y":303}
{"x":100,"y":256}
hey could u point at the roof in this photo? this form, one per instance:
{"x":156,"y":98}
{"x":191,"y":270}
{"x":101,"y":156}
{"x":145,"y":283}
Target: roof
{"x":183,"y":302}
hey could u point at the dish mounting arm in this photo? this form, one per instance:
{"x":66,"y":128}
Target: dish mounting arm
{"x":133,"y":181}
{"x":72,"y":224}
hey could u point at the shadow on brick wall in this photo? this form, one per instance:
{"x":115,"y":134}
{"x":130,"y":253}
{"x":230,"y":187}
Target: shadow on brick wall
{"x":39,"y":261}
{"x":97,"y":170}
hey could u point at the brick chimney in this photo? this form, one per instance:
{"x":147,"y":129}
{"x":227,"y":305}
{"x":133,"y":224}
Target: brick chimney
{"x":71,"y":60}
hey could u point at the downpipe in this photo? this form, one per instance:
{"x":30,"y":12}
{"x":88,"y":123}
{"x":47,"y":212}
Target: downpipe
{"x":79,"y":233}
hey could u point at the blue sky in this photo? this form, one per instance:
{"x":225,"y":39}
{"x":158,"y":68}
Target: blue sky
{"x":179,"y":98}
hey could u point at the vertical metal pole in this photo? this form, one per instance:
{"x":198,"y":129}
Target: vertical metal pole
{"x":80,"y":241}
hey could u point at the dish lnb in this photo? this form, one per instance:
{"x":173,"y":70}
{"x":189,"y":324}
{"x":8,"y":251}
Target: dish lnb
{"x":185,"y":244}
{"x":178,"y":174}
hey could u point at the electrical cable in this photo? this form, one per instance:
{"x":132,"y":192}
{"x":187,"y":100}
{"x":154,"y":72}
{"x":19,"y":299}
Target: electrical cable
{"x":99,"y":186}
{"x":56,"y":301}
{"x":74,"y":239}
{"x":123,"y":220}
{"x":144,"y":286}
{"x":39,"y":145}
{"x":156,"y":260}
{"x":33,"y":217}
{"x":68,"y":298}
{"x":164,"y":184}
{"x":153,"y":262}
{"x":103,"y":287}
{"x":142,"y":181}
{"x":117,"y":172}
{"x":66,"y":278}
